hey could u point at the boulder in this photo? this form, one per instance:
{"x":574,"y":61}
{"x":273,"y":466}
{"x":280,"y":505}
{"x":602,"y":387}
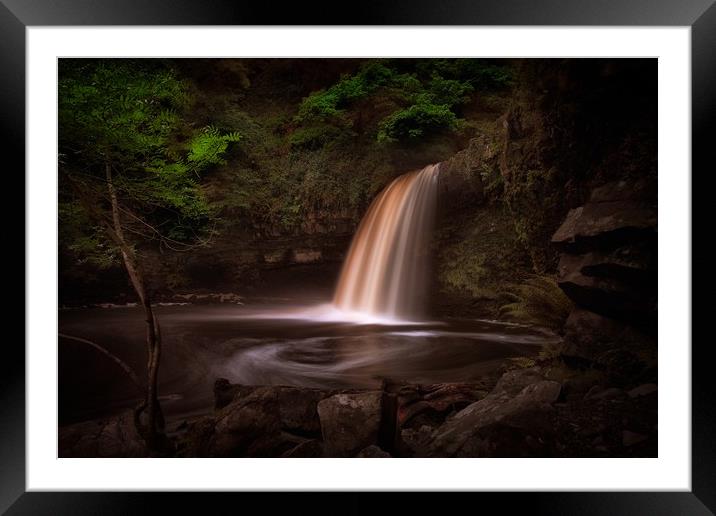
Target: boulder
{"x":225,"y":392}
{"x":373,"y":451}
{"x":197,"y":440}
{"x":621,"y":283}
{"x":350,"y":422}
{"x":607,"y":223}
{"x":249,"y":426}
{"x":576,"y":387}
{"x":258,"y":422}
{"x":434,"y":401}
{"x":615,"y":214}
{"x":608,"y":262}
{"x":633,"y":264}
{"x":593,"y":338}
{"x":625,"y":367}
{"x":298,"y":409}
{"x":112,"y":437}
{"x":612,"y":393}
{"x":514,"y":381}
{"x":643,"y":390}
{"x":500,"y":425}
{"x":416,"y":440}
{"x":309,"y":449}
{"x":297,"y":406}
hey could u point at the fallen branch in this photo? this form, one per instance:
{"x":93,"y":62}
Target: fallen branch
{"x":121,"y":363}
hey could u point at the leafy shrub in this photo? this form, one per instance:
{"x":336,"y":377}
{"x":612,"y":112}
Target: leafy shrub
{"x":448,"y":92}
{"x":329,"y":103}
{"x":427,"y":92}
{"x":416,"y":121}
{"x":428,"y":95}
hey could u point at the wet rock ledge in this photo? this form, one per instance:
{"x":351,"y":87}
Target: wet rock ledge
{"x":528,"y":412}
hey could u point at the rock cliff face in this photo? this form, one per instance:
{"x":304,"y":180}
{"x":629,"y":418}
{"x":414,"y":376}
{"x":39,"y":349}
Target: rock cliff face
{"x":575,"y":151}
{"x":579,"y":126}
{"x":608,"y":267}
{"x":460,"y":179}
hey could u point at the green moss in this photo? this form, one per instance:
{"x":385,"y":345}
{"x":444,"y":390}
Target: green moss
{"x":494,"y":184}
{"x":313,"y":137}
{"x":529,"y":193}
{"x":521,"y":362}
{"x":478,"y":253}
{"x":463,"y":269}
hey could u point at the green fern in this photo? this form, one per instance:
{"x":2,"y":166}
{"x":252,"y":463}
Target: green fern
{"x":538,"y":301}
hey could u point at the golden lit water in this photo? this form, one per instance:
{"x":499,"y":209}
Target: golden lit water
{"x":386,"y":270}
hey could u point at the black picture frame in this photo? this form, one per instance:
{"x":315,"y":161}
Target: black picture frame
{"x":17,"y":15}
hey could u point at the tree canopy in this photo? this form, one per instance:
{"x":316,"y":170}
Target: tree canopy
{"x":127,"y":115}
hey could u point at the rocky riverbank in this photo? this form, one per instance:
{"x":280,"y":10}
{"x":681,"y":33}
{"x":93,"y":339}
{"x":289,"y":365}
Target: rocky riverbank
{"x":539,"y":411}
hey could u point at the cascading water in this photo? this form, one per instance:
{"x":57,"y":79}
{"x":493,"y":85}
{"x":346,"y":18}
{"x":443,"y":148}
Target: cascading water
{"x":386,"y":271}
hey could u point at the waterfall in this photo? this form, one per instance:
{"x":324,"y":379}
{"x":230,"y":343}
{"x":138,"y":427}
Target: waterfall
{"x":386,"y":271}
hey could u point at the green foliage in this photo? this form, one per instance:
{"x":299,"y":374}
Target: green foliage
{"x":415,"y":121}
{"x":480,"y":74}
{"x":426,"y":92}
{"x":208,"y":148}
{"x":86,"y":240}
{"x":117,"y":111}
{"x":539,"y":301}
{"x":431,"y":109}
{"x":287,"y":173}
{"x":330,"y":103}
{"x":126,"y":115}
{"x":447,"y":92}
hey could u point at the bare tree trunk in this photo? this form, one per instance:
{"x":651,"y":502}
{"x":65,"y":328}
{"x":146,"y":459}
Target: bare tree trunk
{"x":155,"y":420}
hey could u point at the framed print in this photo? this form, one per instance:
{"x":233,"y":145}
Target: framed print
{"x":263,"y":247}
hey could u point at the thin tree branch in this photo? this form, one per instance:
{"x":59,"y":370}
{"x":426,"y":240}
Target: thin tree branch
{"x":177,"y":245}
{"x":121,"y":363}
